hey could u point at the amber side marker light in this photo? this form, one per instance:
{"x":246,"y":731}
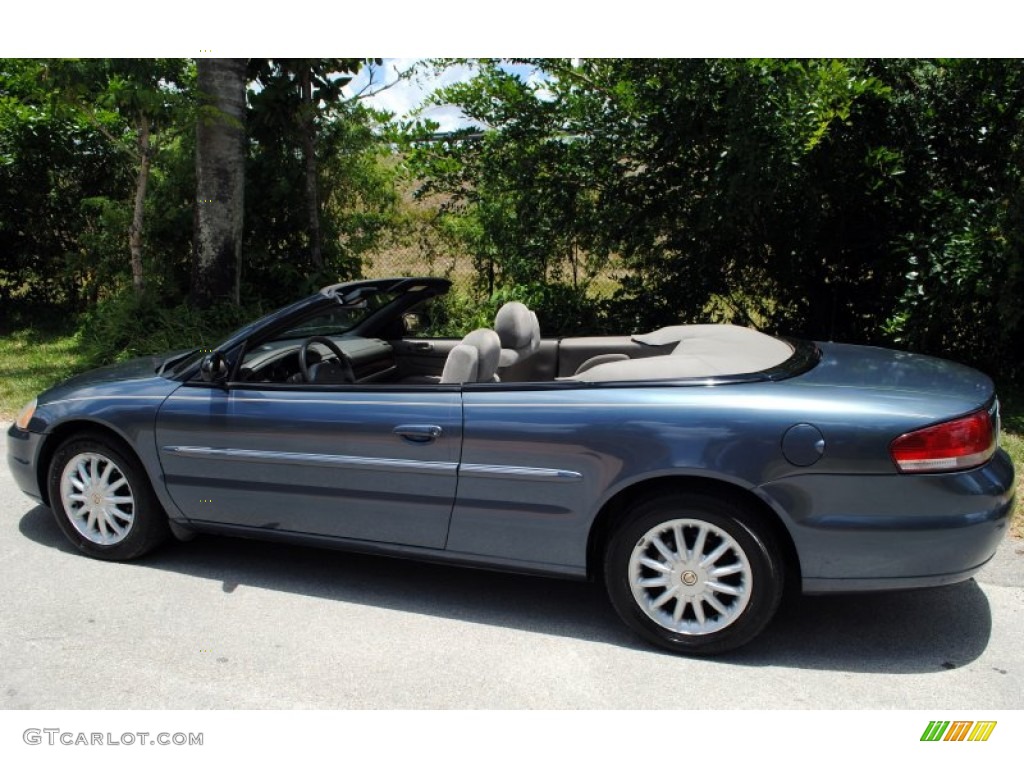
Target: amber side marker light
{"x":26,"y":416}
{"x":961,"y":443}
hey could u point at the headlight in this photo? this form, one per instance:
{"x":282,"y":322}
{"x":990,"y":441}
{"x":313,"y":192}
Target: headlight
{"x":26,"y":416}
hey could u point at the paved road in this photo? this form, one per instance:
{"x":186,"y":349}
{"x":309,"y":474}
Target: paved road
{"x":222,"y":623}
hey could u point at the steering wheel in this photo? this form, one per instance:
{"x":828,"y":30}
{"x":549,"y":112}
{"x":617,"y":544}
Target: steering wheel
{"x":343,"y":360}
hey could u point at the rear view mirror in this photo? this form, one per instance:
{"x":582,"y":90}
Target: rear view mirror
{"x":214,"y":368}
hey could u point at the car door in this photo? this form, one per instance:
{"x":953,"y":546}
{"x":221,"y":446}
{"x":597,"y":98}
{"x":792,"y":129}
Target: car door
{"x":421,"y":357}
{"x":420,"y":350}
{"x":357,"y":462}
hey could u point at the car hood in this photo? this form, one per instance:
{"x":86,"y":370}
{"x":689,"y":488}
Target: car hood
{"x":131,"y":370}
{"x":874,"y":369}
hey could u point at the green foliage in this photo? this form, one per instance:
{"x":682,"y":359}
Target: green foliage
{"x":1012,"y":440}
{"x":357,"y":202}
{"x":115,"y":93}
{"x":523,"y":195}
{"x":51,"y":160}
{"x":856,"y":200}
{"x":64,"y":221}
{"x":129,"y":325}
{"x":963,"y":283}
{"x":562,"y":309}
{"x":170,"y":210}
{"x":872,"y":201}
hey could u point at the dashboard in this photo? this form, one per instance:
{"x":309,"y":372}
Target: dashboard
{"x":373,"y":360}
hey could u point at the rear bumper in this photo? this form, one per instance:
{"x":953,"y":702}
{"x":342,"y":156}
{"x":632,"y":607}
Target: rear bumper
{"x":812,"y":586}
{"x":884,"y":532}
{"x":22,"y":458}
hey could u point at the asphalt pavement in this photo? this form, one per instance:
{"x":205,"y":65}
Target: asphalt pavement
{"x":234,"y":624}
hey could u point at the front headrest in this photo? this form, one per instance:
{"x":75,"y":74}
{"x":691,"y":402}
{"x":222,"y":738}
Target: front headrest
{"x":461,"y":365}
{"x":519,"y":332}
{"x":488,"y":346}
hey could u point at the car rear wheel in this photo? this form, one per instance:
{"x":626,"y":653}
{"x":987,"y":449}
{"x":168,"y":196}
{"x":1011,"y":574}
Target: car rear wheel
{"x":103,"y":501}
{"x":694,"y":573}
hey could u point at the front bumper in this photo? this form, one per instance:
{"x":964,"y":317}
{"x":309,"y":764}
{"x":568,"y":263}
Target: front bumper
{"x":23,"y":459}
{"x":881,"y":532}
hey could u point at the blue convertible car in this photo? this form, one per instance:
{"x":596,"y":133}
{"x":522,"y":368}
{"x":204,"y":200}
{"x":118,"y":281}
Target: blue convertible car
{"x":697,"y":470}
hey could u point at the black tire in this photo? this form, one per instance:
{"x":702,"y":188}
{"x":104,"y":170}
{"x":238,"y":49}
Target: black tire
{"x":135,"y":528}
{"x":749,"y":547}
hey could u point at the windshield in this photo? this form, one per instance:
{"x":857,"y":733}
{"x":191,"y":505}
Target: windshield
{"x":333,"y":321}
{"x":365,"y":299}
{"x":337,"y":319}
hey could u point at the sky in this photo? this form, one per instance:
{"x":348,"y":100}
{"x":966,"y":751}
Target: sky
{"x":406,"y":97}
{"x":409,"y":94}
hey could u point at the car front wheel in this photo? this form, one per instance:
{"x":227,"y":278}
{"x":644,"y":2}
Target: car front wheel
{"x":102,"y":500}
{"x":694,"y":573}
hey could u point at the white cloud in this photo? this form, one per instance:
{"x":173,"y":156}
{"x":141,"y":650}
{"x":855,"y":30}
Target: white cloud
{"x":540,"y":80}
{"x":408,"y":95}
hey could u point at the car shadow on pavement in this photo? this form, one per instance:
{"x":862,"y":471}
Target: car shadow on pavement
{"x":902,"y":632}
{"x":925,"y":630}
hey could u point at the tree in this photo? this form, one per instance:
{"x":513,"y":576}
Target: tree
{"x":963,"y":282}
{"x":220,"y":181}
{"x":857,"y":200}
{"x":295,"y":97}
{"x":130,"y":102}
{"x":523,"y":192}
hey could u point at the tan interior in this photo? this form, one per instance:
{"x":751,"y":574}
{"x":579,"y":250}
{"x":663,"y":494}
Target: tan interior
{"x":681,"y":351}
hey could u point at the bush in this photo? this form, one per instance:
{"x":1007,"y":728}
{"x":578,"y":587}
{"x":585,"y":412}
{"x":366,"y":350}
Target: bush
{"x":561,"y":309}
{"x":127,"y":326}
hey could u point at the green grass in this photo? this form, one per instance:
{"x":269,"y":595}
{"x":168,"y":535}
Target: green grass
{"x":1013,"y":442}
{"x":32,"y":360}
{"x":1011,"y":404}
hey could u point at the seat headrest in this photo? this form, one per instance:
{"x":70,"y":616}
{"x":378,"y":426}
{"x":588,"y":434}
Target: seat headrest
{"x":474,"y":359}
{"x":461,"y":365}
{"x":519,"y":332}
{"x":488,"y":346}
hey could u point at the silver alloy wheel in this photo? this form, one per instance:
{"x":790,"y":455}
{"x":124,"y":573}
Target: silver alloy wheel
{"x":97,"y":498}
{"x":690,"y":576}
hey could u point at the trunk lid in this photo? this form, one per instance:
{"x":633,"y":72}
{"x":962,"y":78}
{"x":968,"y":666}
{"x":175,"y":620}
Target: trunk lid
{"x":882,"y":372}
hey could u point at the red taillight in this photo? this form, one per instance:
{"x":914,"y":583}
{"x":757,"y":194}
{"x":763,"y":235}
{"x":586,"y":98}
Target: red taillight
{"x":959,"y":444}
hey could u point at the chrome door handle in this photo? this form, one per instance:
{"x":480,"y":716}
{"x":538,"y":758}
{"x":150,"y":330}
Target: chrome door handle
{"x":422,"y":346}
{"x":418,"y":433}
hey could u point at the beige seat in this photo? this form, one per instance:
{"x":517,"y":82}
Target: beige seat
{"x":695,"y":351}
{"x":474,"y":359}
{"x":611,"y":357}
{"x":519,"y":332}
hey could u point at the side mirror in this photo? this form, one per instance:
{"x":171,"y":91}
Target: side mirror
{"x":214,"y":368}
{"x":413,"y":322}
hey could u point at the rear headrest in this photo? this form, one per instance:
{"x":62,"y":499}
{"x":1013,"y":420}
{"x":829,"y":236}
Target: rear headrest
{"x":519,"y":332}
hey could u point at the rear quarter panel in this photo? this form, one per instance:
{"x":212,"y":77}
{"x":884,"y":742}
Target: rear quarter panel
{"x":538,"y":465}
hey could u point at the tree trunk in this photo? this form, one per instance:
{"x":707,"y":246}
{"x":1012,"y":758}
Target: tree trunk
{"x":220,"y":181}
{"x":135,"y":230}
{"x":308,"y":117}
